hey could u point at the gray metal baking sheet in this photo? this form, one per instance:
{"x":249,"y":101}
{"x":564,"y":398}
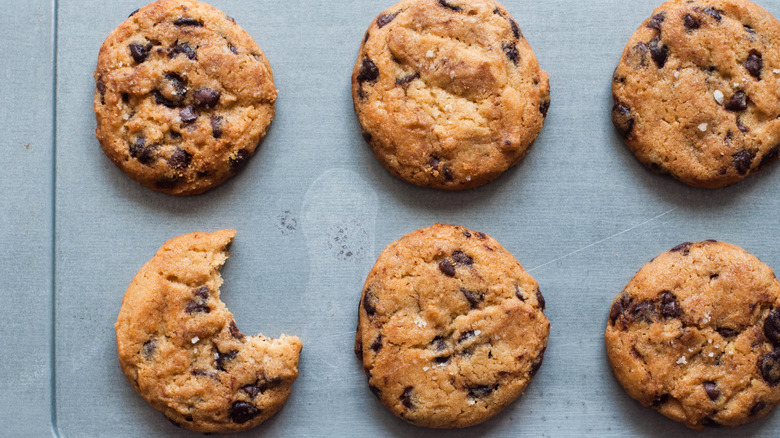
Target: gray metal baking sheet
{"x":580,"y":213}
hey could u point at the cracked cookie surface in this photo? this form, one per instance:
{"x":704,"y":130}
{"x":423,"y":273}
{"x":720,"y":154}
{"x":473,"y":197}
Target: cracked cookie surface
{"x":450,"y":327}
{"x":181,"y":350}
{"x":183,"y":96}
{"x":697,"y":91}
{"x":696,"y":335}
{"x":449,"y":93}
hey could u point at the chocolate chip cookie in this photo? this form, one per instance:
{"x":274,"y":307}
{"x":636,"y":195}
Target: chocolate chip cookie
{"x":183,"y":96}
{"x":696,"y":335}
{"x":450,"y":327}
{"x":697,"y":91}
{"x":449,"y":93}
{"x":182,"y":351}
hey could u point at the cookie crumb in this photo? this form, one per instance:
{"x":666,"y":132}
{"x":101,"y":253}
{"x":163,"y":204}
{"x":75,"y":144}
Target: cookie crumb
{"x":718,"y":95}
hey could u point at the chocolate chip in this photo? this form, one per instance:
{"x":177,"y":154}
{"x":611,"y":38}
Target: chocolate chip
{"x":461,"y":258}
{"x":515,"y":29}
{"x":376,"y":391}
{"x":712,"y":390}
{"x":179,"y":159}
{"x":465,"y":336}
{"x":206,"y":97}
{"x":714,"y":13}
{"x":239,"y":161}
{"x":656,"y":20}
{"x":186,"y":21}
{"x":404,"y":81}
{"x":742,"y":128}
{"x":241,"y":412}
{"x":202,"y":292}
{"x":205,"y":373}
{"x":216,"y":125}
{"x":619,"y":306}
{"x":173,"y":92}
{"x":223,"y":358}
{"x":251,"y":390}
{"x":540,"y":298}
{"x":726,"y":332}
{"x":149,"y":348}
{"x":368,"y":71}
{"x":441,"y":359}
{"x":188,"y":114}
{"x":742,"y":161}
{"x":369,"y":303}
{"x":511,"y":52}
{"x":770,"y":367}
{"x":467,"y":234}
{"x":384,"y":19}
{"x":196,"y":307}
{"x":754,"y":64}
{"x":482,"y":391}
{"x":621,"y":118}
{"x":159,"y":99}
{"x":481,"y":235}
{"x":691,"y":23}
{"x":544,"y":107}
{"x":758,"y":407}
{"x":184,"y":48}
{"x":234,"y":331}
{"x":377,"y":344}
{"x":658,"y":51}
{"x":770,"y":157}
{"x":519,"y":293}
{"x":233,"y":49}
{"x":737,"y":102}
{"x":669,"y":306}
{"x":138,"y":150}
{"x":684,"y":247}
{"x":139,"y":52}
{"x":447,"y":268}
{"x":434,"y":162}
{"x":661,"y":399}
{"x":133,"y":13}
{"x":406,"y":398}
{"x":772,"y":327}
{"x":449,"y":6}
{"x":474,"y":298}
{"x":714,"y":276}
{"x":748,"y":28}
{"x":101,"y":87}
{"x":643,"y":311}
{"x":447,"y":172}
{"x":537,"y":363}
{"x":439,"y":344}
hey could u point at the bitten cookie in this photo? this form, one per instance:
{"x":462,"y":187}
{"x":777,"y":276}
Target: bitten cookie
{"x":697,"y":91}
{"x":450,"y":327}
{"x":696,"y":335}
{"x":183,"y":96}
{"x":449,"y":93}
{"x":181,"y":350}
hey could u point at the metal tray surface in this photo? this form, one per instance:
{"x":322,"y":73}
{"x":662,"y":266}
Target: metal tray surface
{"x":313,"y":210}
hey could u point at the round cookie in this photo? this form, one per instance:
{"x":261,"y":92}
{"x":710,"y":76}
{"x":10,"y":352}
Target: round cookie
{"x":183,"y":96}
{"x":449,"y":93}
{"x":697,"y":91}
{"x":696,"y":335}
{"x":450,"y":327}
{"x":181,"y":350}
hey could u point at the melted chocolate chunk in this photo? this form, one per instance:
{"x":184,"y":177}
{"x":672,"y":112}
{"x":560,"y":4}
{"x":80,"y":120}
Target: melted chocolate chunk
{"x":139,"y":52}
{"x":669,"y":306}
{"x":758,"y":407}
{"x":206,"y":97}
{"x":540,"y":298}
{"x":726,"y":332}
{"x":368,"y":71}
{"x":144,"y":154}
{"x":474,"y":298}
{"x":461,"y":258}
{"x":384,"y":19}
{"x":234,"y":331}
{"x":691,"y":23}
{"x":377,"y":344}
{"x":185,"y":21}
{"x":743,"y":160}
{"x":644,"y":311}
{"x":519,"y":293}
{"x":216,"y":125}
{"x":770,"y":367}
{"x":369,"y":303}
{"x":737,"y":102}
{"x":656,"y":20}
{"x":772,"y":328}
{"x":619,"y":306}
{"x":622,"y":119}
{"x":684,"y":248}
{"x":167,"y":182}
{"x":241,"y":412}
{"x":447,"y":268}
{"x":239,"y":161}
{"x":441,"y":359}
{"x":537,"y":363}
{"x":404,"y":81}
{"x":449,"y":6}
{"x":511,"y":52}
{"x":714,"y":13}
{"x":101,"y":87}
{"x":658,"y":51}
{"x":770,"y":157}
{"x":482,"y":391}
{"x":188,"y":114}
{"x":233,"y":49}
{"x":544,"y":107}
{"x":179,"y":159}
{"x":438,"y":343}
{"x":447,"y":173}
{"x":465,"y":336}
{"x":184,"y":48}
{"x":712,"y":390}
{"x":198,"y":302}
{"x":406,"y":398}
{"x":661,"y":399}
{"x":251,"y":390}
{"x":224,"y":358}
{"x":515,"y":29}
{"x":754,"y":64}
{"x":149,"y":348}
{"x":205,"y":373}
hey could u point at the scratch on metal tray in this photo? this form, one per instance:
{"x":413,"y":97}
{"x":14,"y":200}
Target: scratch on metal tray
{"x":603,"y":240}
